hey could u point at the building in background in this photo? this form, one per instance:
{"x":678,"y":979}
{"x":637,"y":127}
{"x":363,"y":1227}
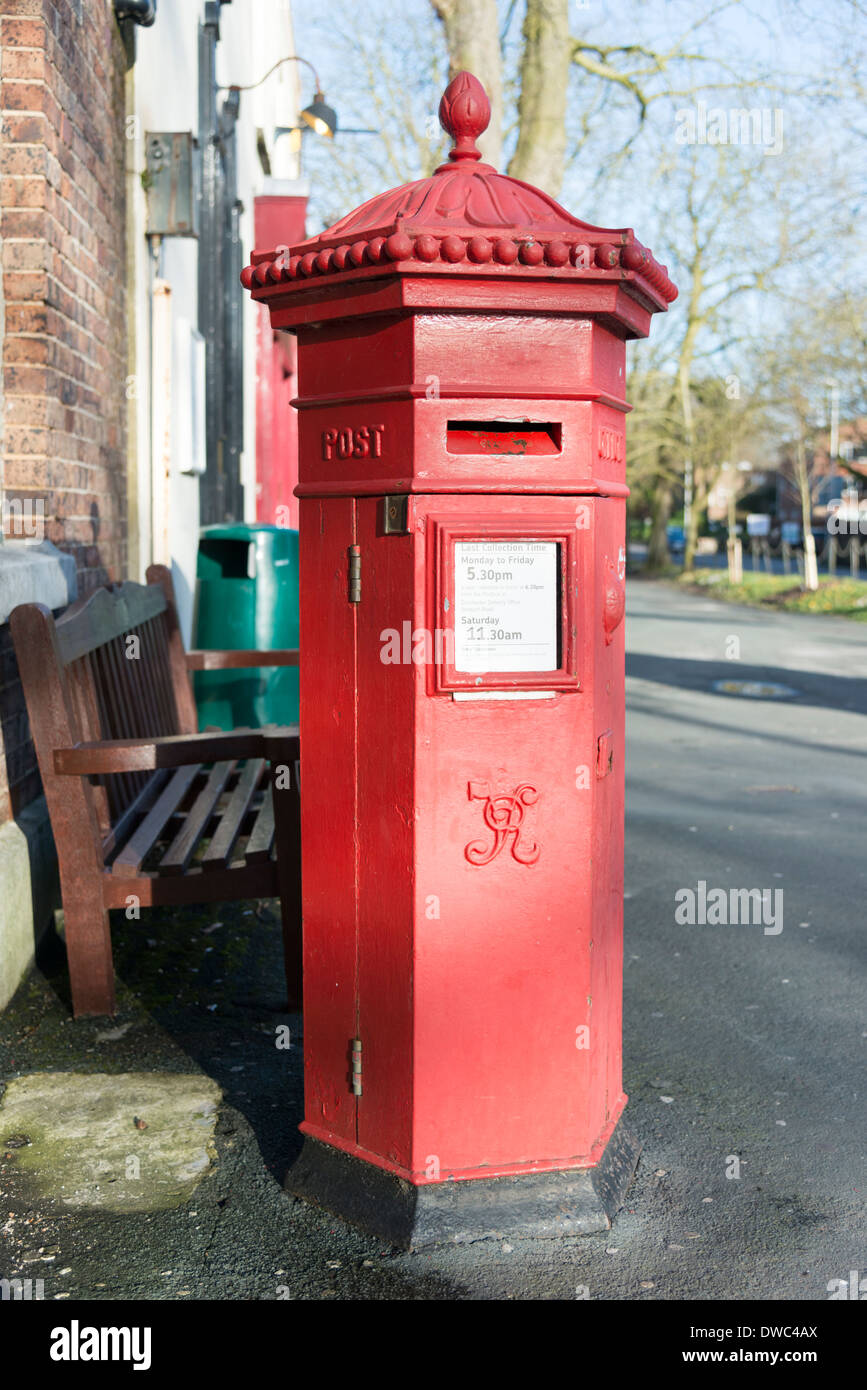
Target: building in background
{"x":210,"y":419}
{"x":142,"y":394}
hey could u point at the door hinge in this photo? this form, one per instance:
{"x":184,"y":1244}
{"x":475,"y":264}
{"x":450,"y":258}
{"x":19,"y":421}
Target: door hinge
{"x":356,"y":1066}
{"x":355,"y":574}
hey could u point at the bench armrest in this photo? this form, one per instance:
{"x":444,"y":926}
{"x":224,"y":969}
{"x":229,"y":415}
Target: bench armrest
{"x":174,"y":750}
{"x":200,"y":660}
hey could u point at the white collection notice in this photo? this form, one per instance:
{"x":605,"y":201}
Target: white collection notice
{"x":506,"y":605}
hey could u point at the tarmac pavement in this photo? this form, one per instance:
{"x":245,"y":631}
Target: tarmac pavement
{"x":743,"y":1047}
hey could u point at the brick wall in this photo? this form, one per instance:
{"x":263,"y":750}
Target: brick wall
{"x":62,"y":230}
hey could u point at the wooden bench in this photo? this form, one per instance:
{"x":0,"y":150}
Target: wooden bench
{"x":144,"y":808}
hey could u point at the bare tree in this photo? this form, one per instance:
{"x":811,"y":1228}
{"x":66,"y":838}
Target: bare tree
{"x":636,"y":72}
{"x":822,"y":341}
{"x":596,"y":104}
{"x":716,"y":204}
{"x":472,"y":36}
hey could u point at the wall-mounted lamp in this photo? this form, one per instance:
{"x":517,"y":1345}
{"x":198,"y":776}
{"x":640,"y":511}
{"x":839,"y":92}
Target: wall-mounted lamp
{"x":142,"y":12}
{"x":318,"y":116}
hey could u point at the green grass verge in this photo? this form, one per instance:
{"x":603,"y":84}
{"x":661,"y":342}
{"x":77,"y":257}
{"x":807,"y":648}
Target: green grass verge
{"x":845,"y":598}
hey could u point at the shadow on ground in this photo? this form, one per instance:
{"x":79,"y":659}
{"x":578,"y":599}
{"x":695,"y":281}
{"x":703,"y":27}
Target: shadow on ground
{"x":199,"y":989}
{"x":825,"y":690}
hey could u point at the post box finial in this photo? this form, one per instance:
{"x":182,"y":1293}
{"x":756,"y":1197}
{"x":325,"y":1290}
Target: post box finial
{"x":464,"y":219}
{"x":464,"y":113}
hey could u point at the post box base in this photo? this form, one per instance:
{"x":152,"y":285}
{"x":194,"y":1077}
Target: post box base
{"x":565,"y":1202}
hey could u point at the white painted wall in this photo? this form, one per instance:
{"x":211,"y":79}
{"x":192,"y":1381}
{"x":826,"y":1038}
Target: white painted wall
{"x":165,"y":98}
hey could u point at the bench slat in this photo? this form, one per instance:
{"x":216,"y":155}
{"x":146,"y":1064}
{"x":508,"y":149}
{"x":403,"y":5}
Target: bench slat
{"x":79,"y":683}
{"x":176,"y":750}
{"x":219,"y":851}
{"x":183,"y":846}
{"x":121,"y":790}
{"x":181,"y":687}
{"x":162,"y":665}
{"x":119,"y":832}
{"x":143,"y":683}
{"x":261,"y":841}
{"x":200,"y":660}
{"x":105,"y":614}
{"x":165,"y":722}
{"x":143,"y":839}
{"x":127,"y":725}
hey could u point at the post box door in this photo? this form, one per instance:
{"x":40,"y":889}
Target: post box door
{"x":472,"y":971}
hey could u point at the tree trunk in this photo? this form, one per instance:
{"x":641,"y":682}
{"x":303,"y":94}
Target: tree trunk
{"x":473,"y":42}
{"x":690,"y":543}
{"x":689,"y":488}
{"x":540,"y":154}
{"x":657,"y":551}
{"x":811,"y":571}
{"x":734,"y":548}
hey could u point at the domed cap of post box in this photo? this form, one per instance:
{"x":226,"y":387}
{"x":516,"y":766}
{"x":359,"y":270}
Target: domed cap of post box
{"x":465,"y":220}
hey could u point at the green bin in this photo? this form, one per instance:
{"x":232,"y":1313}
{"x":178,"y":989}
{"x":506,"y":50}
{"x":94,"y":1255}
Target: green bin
{"x":247,"y":598}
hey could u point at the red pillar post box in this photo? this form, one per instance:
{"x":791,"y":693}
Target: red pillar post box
{"x":462,"y":501}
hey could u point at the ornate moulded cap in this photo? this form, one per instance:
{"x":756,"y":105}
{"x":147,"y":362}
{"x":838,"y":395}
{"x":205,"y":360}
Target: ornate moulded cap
{"x":466,"y":219}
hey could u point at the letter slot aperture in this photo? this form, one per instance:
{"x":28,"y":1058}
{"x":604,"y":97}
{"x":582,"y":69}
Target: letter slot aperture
{"x":501,"y":437}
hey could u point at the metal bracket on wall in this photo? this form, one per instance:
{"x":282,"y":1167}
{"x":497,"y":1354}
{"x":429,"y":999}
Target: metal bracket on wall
{"x":605,"y":754}
{"x":395,"y":513}
{"x":171,"y":176}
